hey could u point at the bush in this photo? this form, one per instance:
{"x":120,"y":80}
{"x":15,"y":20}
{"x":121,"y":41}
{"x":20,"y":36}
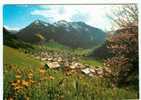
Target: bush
{"x":124,"y":63}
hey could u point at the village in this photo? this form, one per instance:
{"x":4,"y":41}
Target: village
{"x":70,"y":64}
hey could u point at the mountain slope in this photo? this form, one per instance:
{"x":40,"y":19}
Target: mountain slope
{"x":11,"y":40}
{"x":73,"y":34}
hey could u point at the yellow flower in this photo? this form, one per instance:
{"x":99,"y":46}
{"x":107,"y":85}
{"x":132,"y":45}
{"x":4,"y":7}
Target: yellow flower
{"x":25,"y":83}
{"x":18,"y":81}
{"x":51,"y":78}
{"x":42,"y":70}
{"x":42,"y":73}
{"x":18,"y":71}
{"x":18,"y":76}
{"x":30,"y":75}
{"x":31,"y":81}
{"x":18,"y":87}
{"x":13,"y":84}
{"x":26,"y":98}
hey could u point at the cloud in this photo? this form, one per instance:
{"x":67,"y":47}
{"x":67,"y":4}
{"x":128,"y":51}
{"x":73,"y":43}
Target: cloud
{"x":94,"y":15}
{"x":55,"y":13}
{"x":12,"y":28}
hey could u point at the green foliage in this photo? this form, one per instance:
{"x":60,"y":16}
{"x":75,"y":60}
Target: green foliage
{"x":102,"y":52}
{"x":124,"y":63}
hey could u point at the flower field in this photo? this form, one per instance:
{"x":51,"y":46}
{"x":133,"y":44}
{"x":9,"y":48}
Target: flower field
{"x":26,"y":79}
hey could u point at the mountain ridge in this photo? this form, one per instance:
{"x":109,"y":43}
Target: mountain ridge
{"x":73,"y":34}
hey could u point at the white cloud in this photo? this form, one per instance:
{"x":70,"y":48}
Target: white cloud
{"x":55,"y":13}
{"x":12,"y":28}
{"x":94,"y":15}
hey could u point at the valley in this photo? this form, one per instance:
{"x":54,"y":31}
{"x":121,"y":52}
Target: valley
{"x":70,"y":60}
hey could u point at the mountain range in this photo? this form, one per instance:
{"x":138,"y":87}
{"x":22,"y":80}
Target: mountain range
{"x":72,"y":34}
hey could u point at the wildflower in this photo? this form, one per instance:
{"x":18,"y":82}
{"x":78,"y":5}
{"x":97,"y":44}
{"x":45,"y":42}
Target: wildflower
{"x":18,"y":71}
{"x":25,"y":83}
{"x":30,"y":75}
{"x":13,"y":84}
{"x":42,"y":70}
{"x":51,"y":78}
{"x":18,"y":87}
{"x":18,"y":76}
{"x":26,"y":98}
{"x":31,"y":81}
{"x":42,"y":73}
{"x":18,"y":81}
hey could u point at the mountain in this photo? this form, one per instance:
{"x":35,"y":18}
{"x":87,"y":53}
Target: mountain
{"x":73,"y":34}
{"x":11,"y":40}
{"x":7,"y":36}
{"x":13,"y":31}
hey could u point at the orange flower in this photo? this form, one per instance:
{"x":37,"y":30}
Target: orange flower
{"x":13,"y":84}
{"x":31,"y":81}
{"x":51,"y":78}
{"x":18,"y":71}
{"x":25,"y":83}
{"x":18,"y":81}
{"x":18,"y":76}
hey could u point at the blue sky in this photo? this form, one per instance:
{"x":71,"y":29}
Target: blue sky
{"x":19,"y":16}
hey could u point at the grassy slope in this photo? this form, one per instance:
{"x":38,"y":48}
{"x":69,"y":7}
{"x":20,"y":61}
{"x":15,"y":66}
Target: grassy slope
{"x":54,"y":46}
{"x":12,"y":56}
{"x":92,"y":62}
{"x":73,"y":88}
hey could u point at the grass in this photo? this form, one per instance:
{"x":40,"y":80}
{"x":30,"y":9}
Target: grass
{"x":12,"y":56}
{"x":56,"y":47}
{"x":92,"y":62}
{"x":60,"y":87}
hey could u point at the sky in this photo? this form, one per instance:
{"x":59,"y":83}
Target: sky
{"x":16,"y":17}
